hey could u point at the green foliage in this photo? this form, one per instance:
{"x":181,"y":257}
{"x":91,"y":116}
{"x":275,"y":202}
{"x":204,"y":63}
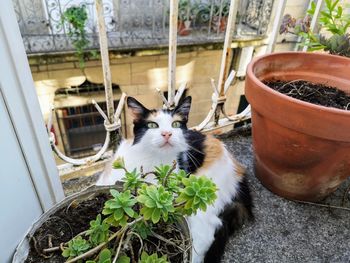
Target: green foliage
{"x":123,"y":259}
{"x":76,"y":247}
{"x":332,"y":19}
{"x":132,"y":180}
{"x":75,"y":18}
{"x":119,"y":208}
{"x":185,"y":10}
{"x":198,"y":193}
{"x":98,"y":231}
{"x":145,"y":258}
{"x":105,"y":256}
{"x":143,"y":229}
{"x":156,"y":203}
{"x":119,"y":163}
{"x":174,"y":181}
{"x":139,"y":208}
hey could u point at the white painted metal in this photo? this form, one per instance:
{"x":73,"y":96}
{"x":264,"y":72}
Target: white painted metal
{"x":226,"y":53}
{"x":224,"y":82}
{"x":172,"y":51}
{"x":112,"y":119}
{"x":110,"y":127}
{"x":28,"y":173}
{"x":107,"y":78}
{"x":179,"y":93}
{"x":278,"y":16}
{"x":244,"y":59}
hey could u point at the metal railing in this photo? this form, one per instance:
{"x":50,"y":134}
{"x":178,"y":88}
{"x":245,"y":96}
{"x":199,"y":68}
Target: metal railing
{"x":139,"y":23}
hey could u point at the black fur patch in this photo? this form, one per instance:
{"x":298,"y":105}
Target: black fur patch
{"x":233,"y":216}
{"x":192,"y":159}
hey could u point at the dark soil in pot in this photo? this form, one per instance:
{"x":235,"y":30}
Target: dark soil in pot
{"x":63,"y":226}
{"x":318,"y":94}
{"x":73,"y":219}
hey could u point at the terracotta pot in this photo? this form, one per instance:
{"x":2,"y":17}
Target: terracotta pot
{"x":223,"y":24}
{"x":302,"y":150}
{"x":183,"y":28}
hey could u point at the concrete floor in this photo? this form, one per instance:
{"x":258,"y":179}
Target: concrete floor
{"x":283,"y":230}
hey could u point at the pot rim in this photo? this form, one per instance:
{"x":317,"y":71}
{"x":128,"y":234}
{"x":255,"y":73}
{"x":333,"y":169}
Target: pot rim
{"x":305,"y":104}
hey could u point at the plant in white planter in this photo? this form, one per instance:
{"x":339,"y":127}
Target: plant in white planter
{"x":139,"y":222}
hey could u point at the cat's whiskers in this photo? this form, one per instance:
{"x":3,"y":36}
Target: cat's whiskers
{"x":195,"y":149}
{"x":193,"y":159}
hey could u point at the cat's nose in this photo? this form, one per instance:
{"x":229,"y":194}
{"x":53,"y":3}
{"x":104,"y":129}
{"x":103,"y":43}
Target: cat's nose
{"x":166,"y":135}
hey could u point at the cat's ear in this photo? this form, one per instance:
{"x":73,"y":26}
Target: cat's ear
{"x":137,"y":110}
{"x":183,"y":108}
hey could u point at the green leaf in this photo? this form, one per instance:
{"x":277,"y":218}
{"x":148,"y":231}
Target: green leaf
{"x":129,"y":211}
{"x":123,"y":259}
{"x":119,"y":163}
{"x":105,"y":256}
{"x":114,"y":193}
{"x":156,"y":216}
{"x":145,"y":258}
{"x":118,"y":214}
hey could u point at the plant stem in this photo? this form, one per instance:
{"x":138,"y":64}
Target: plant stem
{"x":100,"y":246}
{"x":169,"y":172}
{"x":119,"y":246}
{"x":52,"y":249}
{"x":166,"y":240}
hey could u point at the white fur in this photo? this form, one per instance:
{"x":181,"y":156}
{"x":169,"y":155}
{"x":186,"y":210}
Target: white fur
{"x":204,"y":224}
{"x":149,"y":153}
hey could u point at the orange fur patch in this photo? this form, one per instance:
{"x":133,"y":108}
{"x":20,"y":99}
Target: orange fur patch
{"x":239,"y":169}
{"x":213,"y":150}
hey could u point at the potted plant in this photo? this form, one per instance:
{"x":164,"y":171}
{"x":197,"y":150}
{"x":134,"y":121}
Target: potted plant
{"x":129,"y":222}
{"x":220,"y":16}
{"x":302,"y":150}
{"x":184,"y":17}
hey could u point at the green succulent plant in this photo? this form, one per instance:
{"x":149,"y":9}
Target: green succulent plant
{"x":145,"y":258}
{"x":98,"y":231}
{"x":199,"y":192}
{"x":119,"y":208}
{"x":105,"y":256}
{"x":76,"y":247}
{"x":157,"y":203}
{"x":138,"y":210}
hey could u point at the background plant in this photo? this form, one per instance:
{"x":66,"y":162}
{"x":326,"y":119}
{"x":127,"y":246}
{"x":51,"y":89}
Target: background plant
{"x":75,"y":18}
{"x":137,"y":212}
{"x":332,"y":19}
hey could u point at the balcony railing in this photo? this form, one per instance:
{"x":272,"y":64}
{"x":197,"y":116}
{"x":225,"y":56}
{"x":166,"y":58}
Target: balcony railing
{"x":135,"y":24}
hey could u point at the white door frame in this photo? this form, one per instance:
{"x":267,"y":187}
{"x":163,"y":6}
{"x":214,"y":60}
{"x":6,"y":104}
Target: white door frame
{"x":19,"y":93}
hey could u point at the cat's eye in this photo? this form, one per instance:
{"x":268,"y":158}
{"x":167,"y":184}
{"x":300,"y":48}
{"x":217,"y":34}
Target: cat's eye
{"x":152,"y":125}
{"x":176,"y":124}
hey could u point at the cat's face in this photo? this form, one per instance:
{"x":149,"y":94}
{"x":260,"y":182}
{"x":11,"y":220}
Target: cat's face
{"x":160,"y":131}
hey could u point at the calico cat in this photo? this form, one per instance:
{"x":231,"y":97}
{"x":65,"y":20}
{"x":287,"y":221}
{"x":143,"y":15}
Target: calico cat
{"x":161,"y":136}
